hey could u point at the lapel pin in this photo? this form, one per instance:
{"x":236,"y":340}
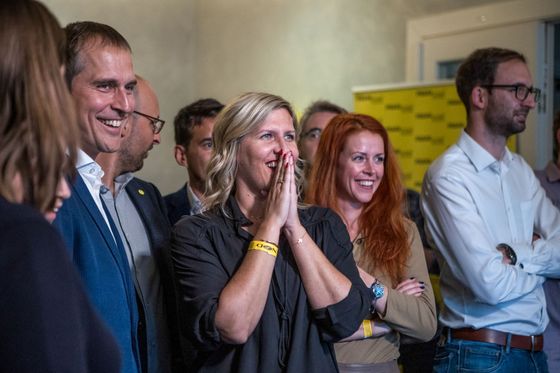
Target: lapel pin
{"x":141,"y":192}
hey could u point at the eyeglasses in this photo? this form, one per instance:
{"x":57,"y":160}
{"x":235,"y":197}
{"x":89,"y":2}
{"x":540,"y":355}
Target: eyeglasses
{"x":521,"y":90}
{"x":157,"y":124}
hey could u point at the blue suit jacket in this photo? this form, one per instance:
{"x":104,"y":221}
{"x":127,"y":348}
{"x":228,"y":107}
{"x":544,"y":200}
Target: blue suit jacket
{"x":102,"y":263}
{"x":177,"y":205}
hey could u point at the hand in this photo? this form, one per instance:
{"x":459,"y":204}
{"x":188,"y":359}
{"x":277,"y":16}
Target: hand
{"x":505,"y":258}
{"x":292,"y":223}
{"x":278,"y":200}
{"x":411,"y":287}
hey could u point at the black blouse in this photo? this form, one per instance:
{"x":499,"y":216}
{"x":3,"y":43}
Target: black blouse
{"x":208,"y":249}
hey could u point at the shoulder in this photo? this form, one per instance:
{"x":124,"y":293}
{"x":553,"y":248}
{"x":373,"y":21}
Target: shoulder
{"x":453,"y":163}
{"x":312,"y":214}
{"x":176,"y":196}
{"x":195,"y":226}
{"x":322,"y":221}
{"x":23,"y":227}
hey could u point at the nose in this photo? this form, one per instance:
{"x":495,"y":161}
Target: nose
{"x":157,"y":138}
{"x":369,"y":167}
{"x":530,"y":101}
{"x":123,"y":100}
{"x":280,"y":145}
{"x":62,"y":189}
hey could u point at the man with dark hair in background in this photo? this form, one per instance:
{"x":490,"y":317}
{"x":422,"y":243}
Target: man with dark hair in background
{"x":101,"y":79}
{"x":496,"y":234}
{"x":193,"y":147}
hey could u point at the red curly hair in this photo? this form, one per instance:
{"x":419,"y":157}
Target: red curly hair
{"x":382,"y":222}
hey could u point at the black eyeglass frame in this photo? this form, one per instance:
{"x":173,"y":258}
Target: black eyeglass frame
{"x":516,"y":88}
{"x":157,"y":123}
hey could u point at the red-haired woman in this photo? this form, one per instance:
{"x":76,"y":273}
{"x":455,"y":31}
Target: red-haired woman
{"x":356,"y":174}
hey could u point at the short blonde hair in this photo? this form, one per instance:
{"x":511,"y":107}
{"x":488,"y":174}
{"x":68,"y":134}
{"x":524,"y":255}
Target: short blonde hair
{"x":240,"y":117}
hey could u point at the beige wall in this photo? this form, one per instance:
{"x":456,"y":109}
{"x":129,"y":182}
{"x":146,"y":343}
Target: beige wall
{"x":300,"y":49}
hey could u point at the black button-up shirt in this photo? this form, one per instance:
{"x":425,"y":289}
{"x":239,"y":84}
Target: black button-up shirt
{"x":208,"y":249}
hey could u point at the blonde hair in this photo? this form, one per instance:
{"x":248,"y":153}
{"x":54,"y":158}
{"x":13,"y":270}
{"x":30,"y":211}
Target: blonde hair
{"x":240,"y":117}
{"x":38,"y":126}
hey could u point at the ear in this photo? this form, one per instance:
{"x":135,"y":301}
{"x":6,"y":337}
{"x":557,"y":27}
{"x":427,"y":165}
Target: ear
{"x":126,"y":126}
{"x":181,"y":155}
{"x":479,"y":98}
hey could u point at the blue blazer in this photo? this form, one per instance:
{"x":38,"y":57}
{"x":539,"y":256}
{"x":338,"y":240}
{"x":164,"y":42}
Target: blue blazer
{"x":103,"y":265}
{"x":177,"y":205}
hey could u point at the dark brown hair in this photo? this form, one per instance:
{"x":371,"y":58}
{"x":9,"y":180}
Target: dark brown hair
{"x":480,"y":69}
{"x":87,"y":34}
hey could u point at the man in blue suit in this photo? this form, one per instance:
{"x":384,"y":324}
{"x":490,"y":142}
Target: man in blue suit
{"x":101,"y":79}
{"x":194,"y":125}
{"x":139,"y":212}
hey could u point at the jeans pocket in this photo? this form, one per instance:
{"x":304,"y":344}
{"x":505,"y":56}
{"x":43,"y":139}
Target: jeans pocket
{"x":443,"y":360}
{"x":482,"y":360}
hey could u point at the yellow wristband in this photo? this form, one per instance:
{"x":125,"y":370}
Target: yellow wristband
{"x":368,"y":328}
{"x":267,"y":247}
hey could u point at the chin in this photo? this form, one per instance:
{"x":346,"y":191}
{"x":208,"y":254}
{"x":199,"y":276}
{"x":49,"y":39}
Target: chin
{"x":50,"y":216}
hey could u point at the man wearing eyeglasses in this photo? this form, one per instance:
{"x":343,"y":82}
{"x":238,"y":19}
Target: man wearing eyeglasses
{"x":496,"y":233}
{"x":139,"y":213}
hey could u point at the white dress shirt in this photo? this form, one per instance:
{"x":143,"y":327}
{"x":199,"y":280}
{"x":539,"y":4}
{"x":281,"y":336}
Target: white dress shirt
{"x":92,"y":173}
{"x":471,"y":203}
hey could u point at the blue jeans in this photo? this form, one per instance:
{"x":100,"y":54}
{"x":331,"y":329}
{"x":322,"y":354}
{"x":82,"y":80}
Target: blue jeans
{"x":459,"y":355}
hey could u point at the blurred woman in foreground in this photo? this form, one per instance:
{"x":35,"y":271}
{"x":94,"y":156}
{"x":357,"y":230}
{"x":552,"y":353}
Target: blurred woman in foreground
{"x":264,"y":286}
{"x":46,"y":321}
{"x":355,"y":173}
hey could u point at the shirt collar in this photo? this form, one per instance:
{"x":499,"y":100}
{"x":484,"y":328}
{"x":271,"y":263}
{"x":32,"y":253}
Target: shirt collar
{"x":87,"y":166}
{"x":122,"y":180}
{"x":480,"y":157}
{"x":194,"y":201}
{"x":552,"y":172}
{"x":83,"y":159}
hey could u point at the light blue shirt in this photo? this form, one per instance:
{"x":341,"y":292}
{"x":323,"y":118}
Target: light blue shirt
{"x":144,"y":270}
{"x":471,"y":203}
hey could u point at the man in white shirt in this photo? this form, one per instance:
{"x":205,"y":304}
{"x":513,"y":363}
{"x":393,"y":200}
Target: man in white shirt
{"x":496,"y":233}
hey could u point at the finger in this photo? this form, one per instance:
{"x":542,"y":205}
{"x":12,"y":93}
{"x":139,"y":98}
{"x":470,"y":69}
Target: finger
{"x":278,"y":172}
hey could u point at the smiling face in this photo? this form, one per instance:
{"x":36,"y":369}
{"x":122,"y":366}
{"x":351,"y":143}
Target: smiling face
{"x":360,"y":168}
{"x":506,"y":115}
{"x":103,"y":91}
{"x":62,"y":193}
{"x":259,"y":152}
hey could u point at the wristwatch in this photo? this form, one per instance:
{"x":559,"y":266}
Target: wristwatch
{"x":377,"y":290}
{"x":508,"y":252}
